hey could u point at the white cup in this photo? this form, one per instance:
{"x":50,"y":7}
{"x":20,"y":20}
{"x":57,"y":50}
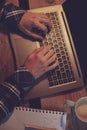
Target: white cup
{"x":80,"y":108}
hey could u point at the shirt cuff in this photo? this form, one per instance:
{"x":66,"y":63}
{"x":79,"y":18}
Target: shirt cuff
{"x":11,"y":15}
{"x":23,"y":80}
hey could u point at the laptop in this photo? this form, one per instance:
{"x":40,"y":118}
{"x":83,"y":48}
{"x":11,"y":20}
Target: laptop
{"x":67,"y":75}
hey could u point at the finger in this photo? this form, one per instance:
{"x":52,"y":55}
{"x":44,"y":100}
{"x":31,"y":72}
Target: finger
{"x":51,"y":60}
{"x":35,"y":36}
{"x":42,"y":15}
{"x":52,"y":66}
{"x":47,"y":23}
{"x":44,"y":50}
{"x":49,"y":54}
{"x":40,"y":27}
{"x":39,"y":50}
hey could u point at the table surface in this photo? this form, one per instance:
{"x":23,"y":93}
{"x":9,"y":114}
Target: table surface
{"x":58,"y":103}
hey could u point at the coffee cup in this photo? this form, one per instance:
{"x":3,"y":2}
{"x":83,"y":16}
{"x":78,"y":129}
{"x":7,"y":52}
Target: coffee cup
{"x":80,"y":108}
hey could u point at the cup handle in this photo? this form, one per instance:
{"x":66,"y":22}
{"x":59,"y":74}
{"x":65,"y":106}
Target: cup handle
{"x":69,"y":103}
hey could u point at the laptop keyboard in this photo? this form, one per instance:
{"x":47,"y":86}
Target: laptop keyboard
{"x":63,"y":73}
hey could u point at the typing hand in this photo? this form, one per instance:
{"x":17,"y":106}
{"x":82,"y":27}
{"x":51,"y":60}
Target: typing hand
{"x":36,"y":25}
{"x":40,"y":61}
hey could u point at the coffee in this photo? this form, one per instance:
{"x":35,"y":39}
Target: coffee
{"x":82,"y":111}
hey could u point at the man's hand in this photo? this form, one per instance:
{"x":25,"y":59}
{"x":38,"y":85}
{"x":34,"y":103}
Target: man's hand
{"x":41,"y":60}
{"x":36,"y":25}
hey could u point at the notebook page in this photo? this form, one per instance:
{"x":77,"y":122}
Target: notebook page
{"x":23,"y":117}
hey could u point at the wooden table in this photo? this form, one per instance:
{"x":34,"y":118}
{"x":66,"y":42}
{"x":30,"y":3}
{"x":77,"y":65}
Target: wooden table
{"x":57,"y":103}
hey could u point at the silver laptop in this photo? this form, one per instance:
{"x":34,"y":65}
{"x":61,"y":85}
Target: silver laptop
{"x":68,"y":74}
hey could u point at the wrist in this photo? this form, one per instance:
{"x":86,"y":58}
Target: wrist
{"x":11,"y":14}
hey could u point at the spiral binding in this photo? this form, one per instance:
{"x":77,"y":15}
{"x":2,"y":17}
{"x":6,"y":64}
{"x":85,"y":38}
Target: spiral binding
{"x":39,"y":110}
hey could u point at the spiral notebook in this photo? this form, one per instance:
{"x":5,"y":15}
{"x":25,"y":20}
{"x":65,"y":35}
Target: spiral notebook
{"x":35,"y":119}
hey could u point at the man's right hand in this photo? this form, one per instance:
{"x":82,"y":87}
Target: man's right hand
{"x":40,"y":61}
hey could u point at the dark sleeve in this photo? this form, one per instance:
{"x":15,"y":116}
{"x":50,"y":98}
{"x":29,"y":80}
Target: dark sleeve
{"x":13,"y":90}
{"x":2,"y":2}
{"x":11,"y":15}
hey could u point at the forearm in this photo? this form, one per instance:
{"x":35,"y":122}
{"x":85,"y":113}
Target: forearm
{"x":11,"y":14}
{"x":22,"y":79}
{"x":13,"y":90}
